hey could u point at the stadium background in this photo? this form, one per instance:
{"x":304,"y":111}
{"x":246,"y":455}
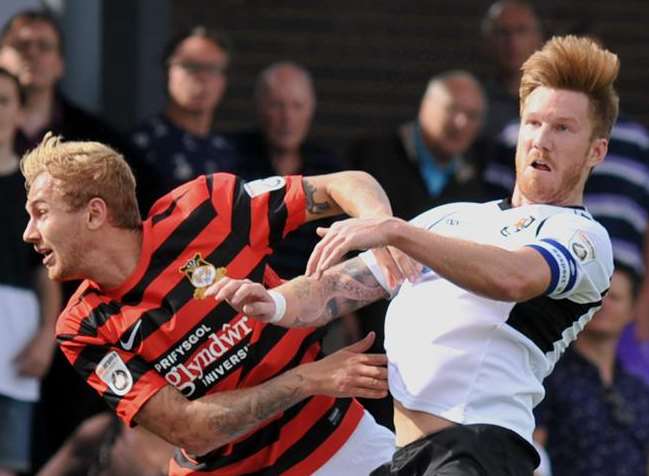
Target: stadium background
{"x":370,"y":58}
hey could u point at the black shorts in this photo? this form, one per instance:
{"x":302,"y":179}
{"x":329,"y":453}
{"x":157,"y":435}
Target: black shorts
{"x":464,"y":450}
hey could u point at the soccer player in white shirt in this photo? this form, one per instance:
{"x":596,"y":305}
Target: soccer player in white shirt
{"x":505,"y":287}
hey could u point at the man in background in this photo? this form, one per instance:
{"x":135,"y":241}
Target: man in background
{"x":178,"y":144}
{"x":594,"y":419}
{"x":285,"y":102}
{"x":511,"y":31}
{"x":29,"y":302}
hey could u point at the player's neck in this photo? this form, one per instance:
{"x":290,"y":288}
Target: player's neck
{"x":573,"y":198}
{"x":118,"y":257}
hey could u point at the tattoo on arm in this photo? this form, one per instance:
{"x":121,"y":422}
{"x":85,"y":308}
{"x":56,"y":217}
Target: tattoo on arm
{"x":214,"y":420}
{"x":311,"y":205}
{"x":249,"y":408}
{"x":345,"y":287}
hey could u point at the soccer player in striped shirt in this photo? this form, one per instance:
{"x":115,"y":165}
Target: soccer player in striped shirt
{"x":236,"y":396}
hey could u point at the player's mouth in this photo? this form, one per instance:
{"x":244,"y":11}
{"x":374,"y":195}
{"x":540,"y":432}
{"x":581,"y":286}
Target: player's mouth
{"x":48,"y":255}
{"x":541,"y":165}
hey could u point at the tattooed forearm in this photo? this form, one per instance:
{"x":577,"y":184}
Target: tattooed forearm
{"x":246,"y":410}
{"x":312,"y":205}
{"x":342,"y":289}
{"x":202,"y":425}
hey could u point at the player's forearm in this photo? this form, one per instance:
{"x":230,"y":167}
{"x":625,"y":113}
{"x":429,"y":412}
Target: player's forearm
{"x":358,"y":194}
{"x":342,"y":289}
{"x":486,"y":270}
{"x":205,"y":424}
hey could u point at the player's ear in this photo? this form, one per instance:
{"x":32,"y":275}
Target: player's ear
{"x":598,"y":150}
{"x":97,"y":213}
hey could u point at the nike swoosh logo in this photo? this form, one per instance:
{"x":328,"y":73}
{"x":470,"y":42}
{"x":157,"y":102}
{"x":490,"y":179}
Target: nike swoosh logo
{"x":131,"y":338}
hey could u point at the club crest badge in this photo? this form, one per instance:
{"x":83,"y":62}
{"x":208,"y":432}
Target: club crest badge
{"x":520,"y":225}
{"x":201,"y":274}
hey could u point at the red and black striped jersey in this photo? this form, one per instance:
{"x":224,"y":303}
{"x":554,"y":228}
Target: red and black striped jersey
{"x":155,"y":330}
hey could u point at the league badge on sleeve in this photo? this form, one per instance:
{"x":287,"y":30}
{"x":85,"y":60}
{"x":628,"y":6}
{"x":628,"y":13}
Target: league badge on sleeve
{"x":113,"y":372}
{"x":201,"y":274}
{"x":261,"y":186}
{"x":582,"y":247}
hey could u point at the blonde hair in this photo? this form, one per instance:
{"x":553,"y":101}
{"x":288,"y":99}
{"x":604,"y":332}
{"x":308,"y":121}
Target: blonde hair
{"x":85,"y":170}
{"x":576,"y":64}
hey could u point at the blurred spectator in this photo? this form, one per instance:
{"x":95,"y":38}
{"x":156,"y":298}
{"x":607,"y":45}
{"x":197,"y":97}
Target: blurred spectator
{"x":104,"y":446}
{"x":31,"y":47}
{"x":29,"y":301}
{"x":285,"y":101}
{"x":425,"y":163}
{"x":428,"y":162}
{"x":594,"y":420}
{"x":634,"y":353}
{"x":512,"y":32}
{"x":177,"y":144}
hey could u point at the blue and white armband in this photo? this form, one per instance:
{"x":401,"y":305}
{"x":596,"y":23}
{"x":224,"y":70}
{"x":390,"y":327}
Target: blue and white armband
{"x":563,"y":265}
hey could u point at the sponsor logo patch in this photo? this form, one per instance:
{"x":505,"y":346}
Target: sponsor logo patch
{"x":113,"y":372}
{"x":261,"y":186}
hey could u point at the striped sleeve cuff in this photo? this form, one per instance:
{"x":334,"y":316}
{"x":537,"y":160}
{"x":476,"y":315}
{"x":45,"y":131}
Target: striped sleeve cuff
{"x":563,"y":267}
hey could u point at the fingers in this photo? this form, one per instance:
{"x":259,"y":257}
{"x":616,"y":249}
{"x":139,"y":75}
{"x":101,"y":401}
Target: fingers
{"x":328,"y":251}
{"x":363,"y":392}
{"x":215,"y":288}
{"x":389,"y":267}
{"x":368,"y":381}
{"x":410,"y":268}
{"x":240,"y":293}
{"x":362,"y":345}
{"x":262,"y":311}
{"x":333,"y":251}
{"x":314,"y":259}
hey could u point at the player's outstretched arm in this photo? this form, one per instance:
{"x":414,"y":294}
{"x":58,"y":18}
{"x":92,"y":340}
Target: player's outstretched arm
{"x":204,"y":424}
{"x":487,"y":270}
{"x":353,"y":192}
{"x":308,"y":301}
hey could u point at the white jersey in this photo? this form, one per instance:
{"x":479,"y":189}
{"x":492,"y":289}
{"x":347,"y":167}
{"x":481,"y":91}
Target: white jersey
{"x":471,"y":359}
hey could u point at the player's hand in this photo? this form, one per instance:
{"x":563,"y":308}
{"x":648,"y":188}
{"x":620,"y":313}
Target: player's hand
{"x":36,"y":357}
{"x":344,"y":236}
{"x":245,"y":296}
{"x":397,"y":266}
{"x":349,"y":372}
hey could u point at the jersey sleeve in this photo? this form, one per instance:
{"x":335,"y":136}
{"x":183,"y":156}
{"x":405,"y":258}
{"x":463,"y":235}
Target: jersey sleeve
{"x":123,"y":379}
{"x":277,"y":207}
{"x":578,"y":251}
{"x":428,"y":220}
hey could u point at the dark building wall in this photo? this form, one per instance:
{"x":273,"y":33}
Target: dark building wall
{"x":371,"y":59}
